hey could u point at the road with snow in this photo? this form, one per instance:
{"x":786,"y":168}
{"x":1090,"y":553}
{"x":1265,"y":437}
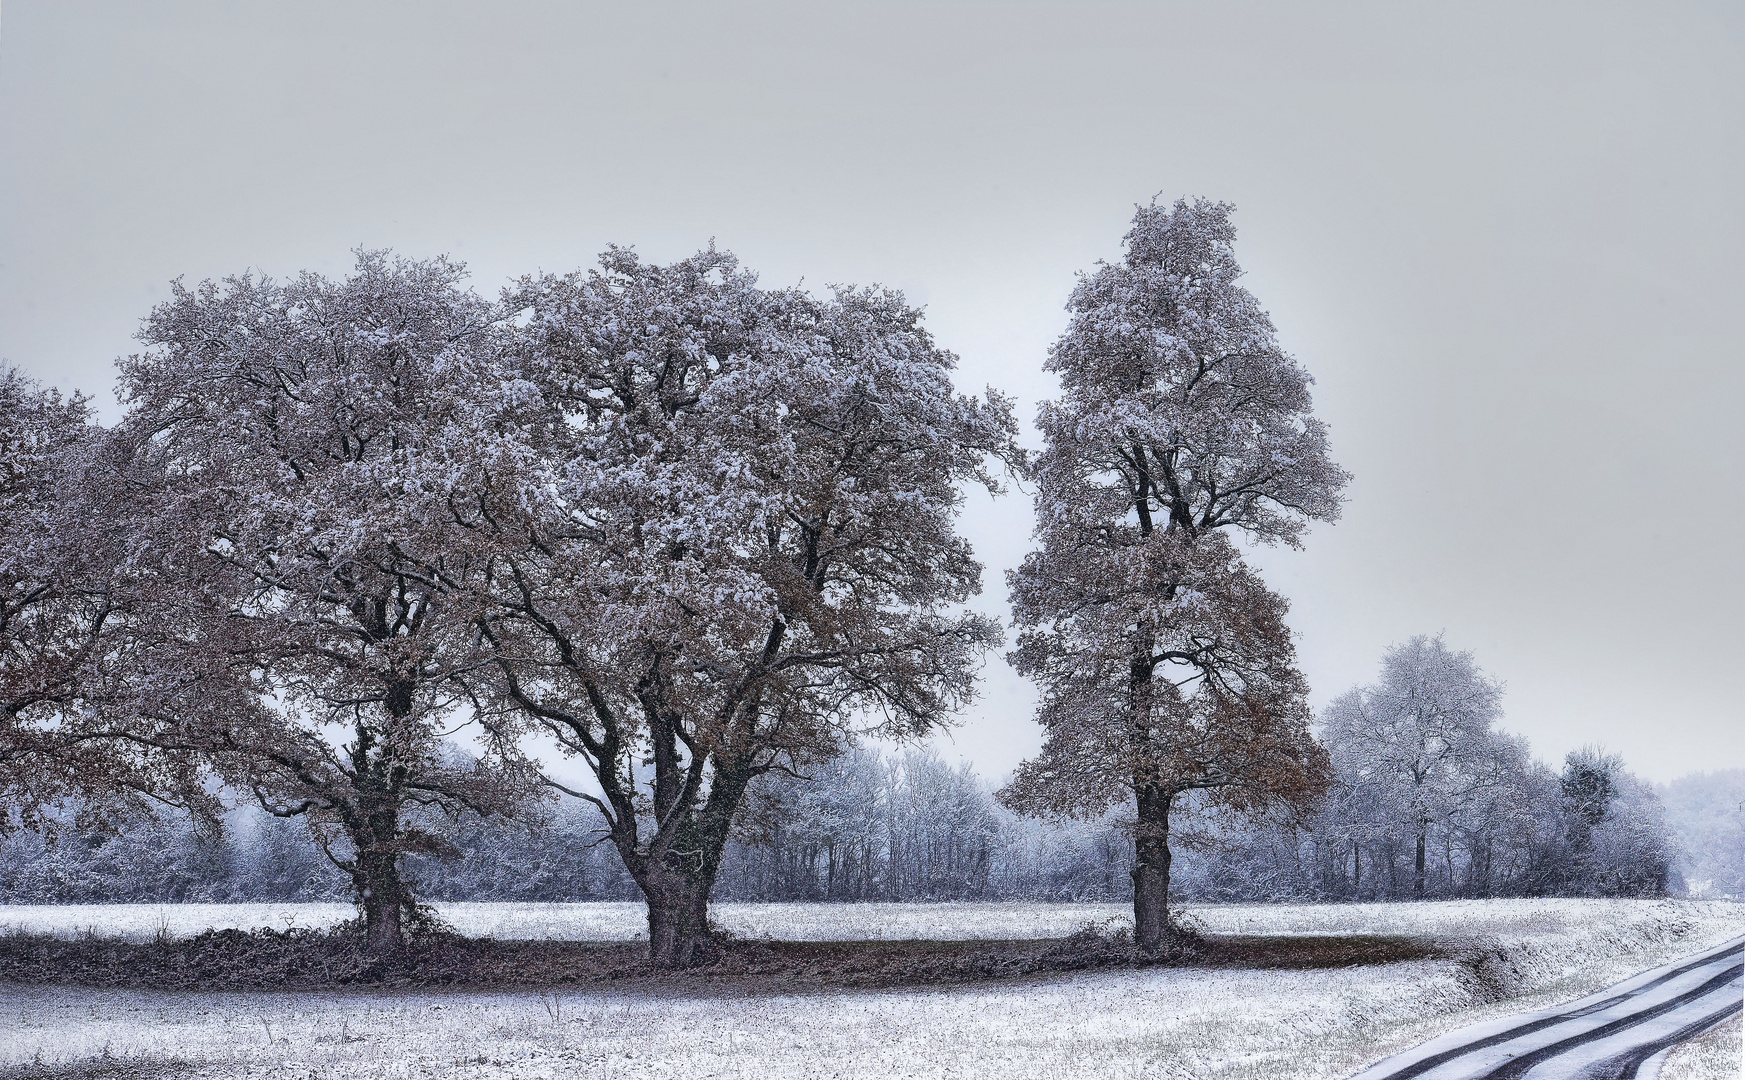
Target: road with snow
{"x":1620,"y":1033}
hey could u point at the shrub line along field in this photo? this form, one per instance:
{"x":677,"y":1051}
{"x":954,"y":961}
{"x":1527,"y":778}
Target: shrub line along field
{"x":1244,"y":1023}
{"x":311,"y":960}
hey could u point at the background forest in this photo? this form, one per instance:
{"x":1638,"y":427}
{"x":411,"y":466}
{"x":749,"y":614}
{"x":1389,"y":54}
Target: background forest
{"x":909,"y":826}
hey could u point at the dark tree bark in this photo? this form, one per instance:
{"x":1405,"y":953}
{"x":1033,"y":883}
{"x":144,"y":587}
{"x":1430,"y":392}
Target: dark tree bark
{"x":1153,"y":929}
{"x":679,"y":877}
{"x":383,"y":898}
{"x":371,"y":817}
{"x":678,"y":918}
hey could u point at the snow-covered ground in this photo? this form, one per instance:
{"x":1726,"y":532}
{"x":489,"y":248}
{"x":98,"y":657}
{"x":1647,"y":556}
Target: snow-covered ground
{"x":1717,"y":1055}
{"x":1154,"y":1023}
{"x":590,"y":922}
{"x":852,"y":922}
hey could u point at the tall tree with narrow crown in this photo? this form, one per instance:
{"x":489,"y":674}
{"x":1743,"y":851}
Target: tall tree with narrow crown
{"x":743,"y":547}
{"x":1164,"y":662}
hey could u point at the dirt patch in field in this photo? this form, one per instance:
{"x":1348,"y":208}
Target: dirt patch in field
{"x":307,"y":959}
{"x":103,"y":1068}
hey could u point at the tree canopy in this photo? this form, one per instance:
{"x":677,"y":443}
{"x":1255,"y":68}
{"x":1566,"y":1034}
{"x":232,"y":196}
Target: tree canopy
{"x":1164,"y":662}
{"x":739,"y":548}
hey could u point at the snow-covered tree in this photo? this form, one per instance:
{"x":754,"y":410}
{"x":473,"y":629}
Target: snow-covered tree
{"x":311,"y":462}
{"x":1616,"y":840}
{"x":1707,"y":811}
{"x":66,"y":604}
{"x":1420,"y":747}
{"x":820,"y":836}
{"x":863,"y":827}
{"x":741,"y":549}
{"x":1165,"y":663}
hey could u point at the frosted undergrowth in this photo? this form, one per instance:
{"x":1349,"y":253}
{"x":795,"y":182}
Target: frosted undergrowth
{"x":1716,"y":1055}
{"x":1244,"y":1025}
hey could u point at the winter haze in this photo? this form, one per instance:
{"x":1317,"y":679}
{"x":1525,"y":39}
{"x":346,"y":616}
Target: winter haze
{"x":1507,"y":243}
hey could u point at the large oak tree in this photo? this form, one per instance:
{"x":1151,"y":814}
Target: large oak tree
{"x":313,"y":463}
{"x":741,"y":551}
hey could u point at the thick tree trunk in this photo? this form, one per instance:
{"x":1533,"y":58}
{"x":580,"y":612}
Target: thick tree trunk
{"x":1152,"y":928}
{"x":383,"y":898}
{"x":678,"y":919}
{"x":1356,"y":869}
{"x":381,"y":894}
{"x":1418,"y":866}
{"x":372,"y":821}
{"x":677,"y":884}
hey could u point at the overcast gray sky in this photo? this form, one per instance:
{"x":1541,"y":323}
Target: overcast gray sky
{"x":1507,"y":240}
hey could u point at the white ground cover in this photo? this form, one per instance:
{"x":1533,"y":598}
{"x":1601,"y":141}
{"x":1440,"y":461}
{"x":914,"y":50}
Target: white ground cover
{"x":843,"y":922}
{"x":1716,"y":1055}
{"x":588,"y":922}
{"x":1154,"y":1023}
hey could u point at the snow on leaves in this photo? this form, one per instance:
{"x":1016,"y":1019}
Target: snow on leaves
{"x":1164,"y":662}
{"x":738,"y":546}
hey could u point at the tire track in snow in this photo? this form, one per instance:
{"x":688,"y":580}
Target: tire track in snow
{"x":1606,"y":1036}
{"x":1629,"y":1065}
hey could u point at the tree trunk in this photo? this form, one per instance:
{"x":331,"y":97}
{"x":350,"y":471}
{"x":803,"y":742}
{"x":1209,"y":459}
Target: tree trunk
{"x":382,"y":896}
{"x":1418,"y":867}
{"x":1152,"y":928}
{"x":678,"y":918}
{"x":1356,"y":870}
{"x":372,"y":820}
{"x":677,"y":883}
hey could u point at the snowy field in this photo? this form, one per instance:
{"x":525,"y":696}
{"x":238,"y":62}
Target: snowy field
{"x":589,"y":922}
{"x":1717,"y":1055}
{"x":848,"y":922}
{"x":1156,"y":1023}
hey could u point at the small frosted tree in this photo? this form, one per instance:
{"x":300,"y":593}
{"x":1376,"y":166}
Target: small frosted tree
{"x":1616,"y":840}
{"x":741,"y":549}
{"x":1420,"y":747}
{"x":1165,"y":664}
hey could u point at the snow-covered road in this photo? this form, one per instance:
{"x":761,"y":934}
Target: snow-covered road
{"x":1620,"y":1033}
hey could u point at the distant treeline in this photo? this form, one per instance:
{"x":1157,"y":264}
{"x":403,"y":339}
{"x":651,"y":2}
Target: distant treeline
{"x":909,"y":827}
